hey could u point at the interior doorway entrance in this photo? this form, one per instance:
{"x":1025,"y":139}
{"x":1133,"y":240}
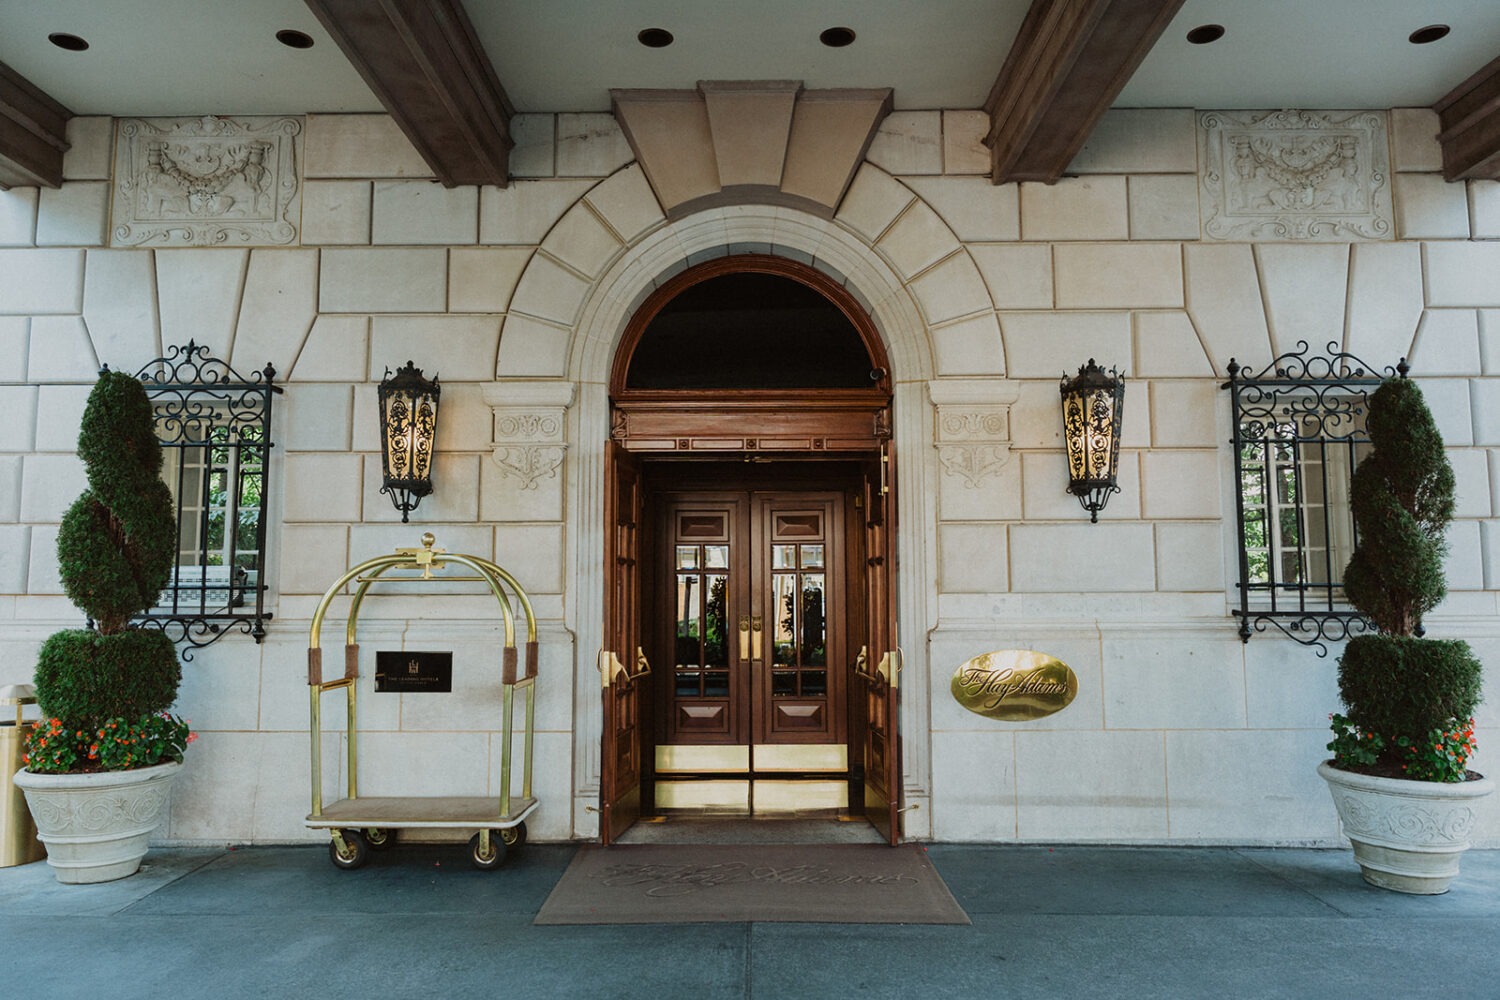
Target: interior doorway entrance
{"x":751,"y":662}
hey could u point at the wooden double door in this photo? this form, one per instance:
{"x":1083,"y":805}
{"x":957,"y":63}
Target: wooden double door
{"x":762,"y":671}
{"x":751,"y":624}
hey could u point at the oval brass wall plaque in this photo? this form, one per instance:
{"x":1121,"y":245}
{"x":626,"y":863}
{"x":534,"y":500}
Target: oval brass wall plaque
{"x":1014,"y":685}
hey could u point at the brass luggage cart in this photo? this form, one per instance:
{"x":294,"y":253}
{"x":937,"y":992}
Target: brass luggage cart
{"x":358,"y":824}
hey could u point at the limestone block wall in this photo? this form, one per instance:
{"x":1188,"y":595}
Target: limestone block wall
{"x":985,"y":294}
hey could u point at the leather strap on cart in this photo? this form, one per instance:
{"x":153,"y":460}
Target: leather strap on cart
{"x":351,"y":660}
{"x":314,"y":666}
{"x":508,"y":666}
{"x":531,"y":654}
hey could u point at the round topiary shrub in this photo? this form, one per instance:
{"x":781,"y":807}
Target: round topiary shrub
{"x":1405,"y":686}
{"x":116,"y":549}
{"x":89,"y":678}
{"x":1403,"y":693}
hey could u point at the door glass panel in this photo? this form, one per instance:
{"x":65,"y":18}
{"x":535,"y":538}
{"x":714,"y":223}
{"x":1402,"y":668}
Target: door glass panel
{"x":783,"y":557}
{"x":715,"y":622}
{"x":814,"y":683}
{"x":687,"y":619}
{"x":814,"y":627}
{"x":702,"y":632}
{"x":783,"y":682}
{"x":784,"y":601}
{"x":812,"y":556}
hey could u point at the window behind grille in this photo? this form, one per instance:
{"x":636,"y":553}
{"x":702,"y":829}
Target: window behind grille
{"x":214,"y":428}
{"x":1299,"y":432}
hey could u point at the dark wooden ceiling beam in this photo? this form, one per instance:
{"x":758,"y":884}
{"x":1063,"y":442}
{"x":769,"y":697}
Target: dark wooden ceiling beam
{"x":426,"y":65}
{"x":1469,"y":116}
{"x":1069,"y":62}
{"x":32,"y":133}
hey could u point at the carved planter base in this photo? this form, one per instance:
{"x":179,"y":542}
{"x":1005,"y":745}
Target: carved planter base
{"x":1407,"y":835}
{"x":96,"y":826}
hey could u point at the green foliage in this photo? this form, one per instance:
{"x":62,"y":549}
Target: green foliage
{"x":1405,"y":686}
{"x":1442,"y":755}
{"x":85,"y":678}
{"x":115,"y":547}
{"x":117,"y":745}
{"x":1402,"y":499}
{"x":1352,"y":747}
{"x":1407,"y":698}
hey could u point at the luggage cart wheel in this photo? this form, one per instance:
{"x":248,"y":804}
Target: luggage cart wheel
{"x":356,"y":853}
{"x":515,"y":836}
{"x":380,"y":839}
{"x":496,"y":853}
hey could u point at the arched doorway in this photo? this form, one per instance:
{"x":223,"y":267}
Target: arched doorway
{"x":750,"y":661}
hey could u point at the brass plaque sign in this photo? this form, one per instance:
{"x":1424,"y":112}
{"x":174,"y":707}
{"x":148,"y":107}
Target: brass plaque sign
{"x":396,"y":670}
{"x":1014,"y":685}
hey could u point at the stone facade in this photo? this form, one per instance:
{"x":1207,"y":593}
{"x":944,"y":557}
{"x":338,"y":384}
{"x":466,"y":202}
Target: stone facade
{"x":984,"y":296}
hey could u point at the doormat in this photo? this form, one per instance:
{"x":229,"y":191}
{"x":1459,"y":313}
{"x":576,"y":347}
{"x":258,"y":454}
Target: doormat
{"x":733,"y":883}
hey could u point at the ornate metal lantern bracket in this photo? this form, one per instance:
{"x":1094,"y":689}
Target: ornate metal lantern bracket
{"x":1093,"y":404}
{"x":408,"y":430}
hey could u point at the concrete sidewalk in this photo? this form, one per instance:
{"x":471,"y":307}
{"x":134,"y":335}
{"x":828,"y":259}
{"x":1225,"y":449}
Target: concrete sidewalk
{"x":1059,"y":922}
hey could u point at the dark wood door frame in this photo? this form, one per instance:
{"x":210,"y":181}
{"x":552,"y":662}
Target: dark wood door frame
{"x":809,"y":433}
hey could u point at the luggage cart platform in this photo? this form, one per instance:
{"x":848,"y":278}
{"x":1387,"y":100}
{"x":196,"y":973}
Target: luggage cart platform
{"x":421,"y":812}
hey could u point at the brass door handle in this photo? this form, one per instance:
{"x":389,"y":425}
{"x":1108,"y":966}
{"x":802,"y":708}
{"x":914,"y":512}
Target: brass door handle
{"x":643,"y":666}
{"x":611,"y":670}
{"x":756,"y":629}
{"x":744,"y":637}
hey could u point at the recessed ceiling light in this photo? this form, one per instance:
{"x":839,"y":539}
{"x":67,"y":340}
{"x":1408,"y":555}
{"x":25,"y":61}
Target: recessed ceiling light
{"x":1205,"y":33}
{"x":1431,"y":33}
{"x":655,"y":38}
{"x":837,"y":38}
{"x":63,"y":40}
{"x":294,"y":39}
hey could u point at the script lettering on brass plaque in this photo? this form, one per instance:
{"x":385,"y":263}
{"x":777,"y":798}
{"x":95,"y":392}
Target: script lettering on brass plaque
{"x":1014,"y":685}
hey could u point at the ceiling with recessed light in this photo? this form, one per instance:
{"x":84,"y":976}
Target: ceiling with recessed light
{"x":173,"y":57}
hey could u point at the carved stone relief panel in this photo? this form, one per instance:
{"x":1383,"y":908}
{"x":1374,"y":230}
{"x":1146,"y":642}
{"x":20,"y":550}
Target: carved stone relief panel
{"x":1294,"y":175}
{"x":530,"y":439}
{"x":972,"y":433}
{"x":207,"y":181}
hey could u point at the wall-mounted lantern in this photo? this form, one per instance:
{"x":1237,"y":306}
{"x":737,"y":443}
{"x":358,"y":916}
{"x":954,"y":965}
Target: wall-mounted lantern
{"x":1092,"y":406}
{"x":408,"y":427}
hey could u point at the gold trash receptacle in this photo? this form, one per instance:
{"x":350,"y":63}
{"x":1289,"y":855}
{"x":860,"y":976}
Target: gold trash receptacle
{"x":18,"y":843}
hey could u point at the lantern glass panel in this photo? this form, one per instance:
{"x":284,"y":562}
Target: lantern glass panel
{"x":408,"y":413}
{"x":1092,"y":409}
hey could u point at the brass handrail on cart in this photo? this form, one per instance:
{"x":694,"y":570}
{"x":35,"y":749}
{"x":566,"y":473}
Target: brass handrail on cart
{"x":344,"y":818}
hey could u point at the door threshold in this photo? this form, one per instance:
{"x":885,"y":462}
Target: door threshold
{"x":692,"y":827}
{"x":776,"y":797}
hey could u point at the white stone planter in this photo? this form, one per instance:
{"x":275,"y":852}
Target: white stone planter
{"x":96,"y":826}
{"x":1407,"y":835}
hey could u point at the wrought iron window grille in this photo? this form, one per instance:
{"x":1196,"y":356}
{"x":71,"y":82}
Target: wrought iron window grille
{"x":214,"y":426}
{"x":1298,"y":431}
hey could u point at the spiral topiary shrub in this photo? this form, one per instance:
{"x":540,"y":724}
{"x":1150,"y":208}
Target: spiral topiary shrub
{"x":1409,"y":700}
{"x":116,"y":550}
